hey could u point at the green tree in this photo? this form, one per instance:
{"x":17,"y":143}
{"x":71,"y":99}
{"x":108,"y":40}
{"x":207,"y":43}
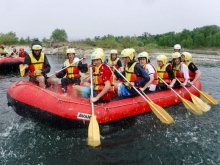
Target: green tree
{"x":8,"y":38}
{"x":59,"y":35}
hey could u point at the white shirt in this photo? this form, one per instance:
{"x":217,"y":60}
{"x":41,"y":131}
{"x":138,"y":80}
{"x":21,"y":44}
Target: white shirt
{"x":184,"y":69}
{"x":150,"y":71}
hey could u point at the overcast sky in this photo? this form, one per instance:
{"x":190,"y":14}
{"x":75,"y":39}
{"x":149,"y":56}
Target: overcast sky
{"x":89,"y":18}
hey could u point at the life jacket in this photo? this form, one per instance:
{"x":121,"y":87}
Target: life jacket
{"x":72,"y":71}
{"x":155,"y":81}
{"x":179,"y":75}
{"x":22,"y":54}
{"x":161,"y":72}
{"x":113,"y":62}
{"x":36,"y":64}
{"x":130,"y":75}
{"x":191,"y":74}
{"x":99,"y":84}
{"x":14,"y":53}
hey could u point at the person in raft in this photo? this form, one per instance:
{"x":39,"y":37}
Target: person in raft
{"x":22,"y":53}
{"x":144,"y":61}
{"x":113,"y":60}
{"x":14,"y":53}
{"x":38,"y":66}
{"x":194,"y":72}
{"x":165,"y":72}
{"x":176,"y":48}
{"x":71,"y":72}
{"x":3,"y":50}
{"x":180,"y":70}
{"x":134,"y":73}
{"x":103,"y":85}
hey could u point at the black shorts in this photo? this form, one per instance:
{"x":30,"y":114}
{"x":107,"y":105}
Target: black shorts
{"x":33,"y":79}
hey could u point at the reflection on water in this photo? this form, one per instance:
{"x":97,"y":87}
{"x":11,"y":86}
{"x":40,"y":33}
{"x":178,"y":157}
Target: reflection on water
{"x":145,"y":140}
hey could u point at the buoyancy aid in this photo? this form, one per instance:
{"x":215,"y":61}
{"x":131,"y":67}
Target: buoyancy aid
{"x":161,"y":72}
{"x":179,"y":75}
{"x":14,"y":53}
{"x":130,"y":75}
{"x":36,"y":64}
{"x":22,"y":54}
{"x":191,"y":74}
{"x":113,"y":62}
{"x":155,"y":81}
{"x":99,"y":84}
{"x":72,"y":71}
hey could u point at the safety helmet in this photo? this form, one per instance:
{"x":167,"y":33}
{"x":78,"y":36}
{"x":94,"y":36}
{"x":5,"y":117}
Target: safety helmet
{"x":177,"y":46}
{"x":21,"y":49}
{"x":36,"y":45}
{"x":176,"y":55}
{"x":70,"y":51}
{"x":143,"y":54}
{"x":188,"y":56}
{"x":98,"y":55}
{"x":99,"y":49}
{"x":113,"y":51}
{"x":127,"y":53}
{"x":162,"y":58}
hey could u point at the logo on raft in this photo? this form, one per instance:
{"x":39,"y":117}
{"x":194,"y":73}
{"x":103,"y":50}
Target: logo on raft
{"x":84,"y":116}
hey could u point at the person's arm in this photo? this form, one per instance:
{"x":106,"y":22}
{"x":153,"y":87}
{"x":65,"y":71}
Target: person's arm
{"x":83,"y":67}
{"x":46,"y":66}
{"x":185,"y":71}
{"x":27,"y":61}
{"x":104,"y":91}
{"x":198,"y":73}
{"x":151,"y":75}
{"x":139,"y":71}
{"x":172,"y":77}
{"x":61,"y":73}
{"x":121,"y":69}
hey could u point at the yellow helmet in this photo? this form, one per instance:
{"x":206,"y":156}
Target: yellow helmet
{"x":113,"y":51}
{"x":70,"y":51}
{"x":36,"y":47}
{"x":127,"y":53}
{"x":99,"y":49}
{"x":176,"y":55}
{"x":162,"y":58}
{"x":98,"y":55}
{"x":143,"y":54}
{"x":187,"y":55}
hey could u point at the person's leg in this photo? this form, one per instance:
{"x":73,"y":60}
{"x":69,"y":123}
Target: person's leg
{"x":54,"y":83}
{"x":41,"y":81}
{"x":76,"y":92}
{"x":64,"y":82}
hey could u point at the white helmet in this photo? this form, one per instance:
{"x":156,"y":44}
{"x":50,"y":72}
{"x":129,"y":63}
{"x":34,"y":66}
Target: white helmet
{"x":177,"y":46}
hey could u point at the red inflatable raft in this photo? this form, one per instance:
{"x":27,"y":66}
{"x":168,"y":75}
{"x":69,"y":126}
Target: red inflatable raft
{"x":29,"y":99}
{"x":10,"y":63}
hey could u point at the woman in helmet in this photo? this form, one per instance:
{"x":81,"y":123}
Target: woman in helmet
{"x":194,"y":72}
{"x":177,"y":48}
{"x":144,"y":61}
{"x":103,"y":77}
{"x":165,"y":72}
{"x":14,"y":53}
{"x":134,"y":73}
{"x":38,"y":66}
{"x":22,"y":53}
{"x":180,"y":70}
{"x":72,"y":72}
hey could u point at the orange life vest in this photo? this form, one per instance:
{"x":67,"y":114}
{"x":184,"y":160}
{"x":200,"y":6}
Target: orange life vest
{"x":130,"y":75}
{"x":155,"y":81}
{"x":36,"y":64}
{"x":72,"y":71}
{"x":161,"y":72}
{"x":113,"y":62}
{"x":22,"y":54}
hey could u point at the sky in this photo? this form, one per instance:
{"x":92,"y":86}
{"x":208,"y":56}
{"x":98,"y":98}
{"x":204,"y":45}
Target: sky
{"x":83,"y":19}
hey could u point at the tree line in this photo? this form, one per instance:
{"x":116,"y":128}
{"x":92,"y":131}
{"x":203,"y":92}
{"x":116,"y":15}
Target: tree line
{"x":203,"y":37}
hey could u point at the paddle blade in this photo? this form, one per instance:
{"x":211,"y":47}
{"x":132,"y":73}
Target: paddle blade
{"x":93,"y":132}
{"x":209,"y":99}
{"x":191,"y":107}
{"x":200,"y":104}
{"x":84,"y":77}
{"x":22,"y":70}
{"x":161,"y":113}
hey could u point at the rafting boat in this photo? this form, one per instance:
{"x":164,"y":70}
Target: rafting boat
{"x":28,"y":99}
{"x":10,"y":63}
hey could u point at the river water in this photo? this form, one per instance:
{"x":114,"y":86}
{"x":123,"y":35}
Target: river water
{"x":145,"y":140}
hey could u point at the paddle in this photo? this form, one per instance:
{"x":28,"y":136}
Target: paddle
{"x":197,"y":101}
{"x":22,"y":70}
{"x":158,"y":111}
{"x":93,"y":131}
{"x":188,"y":105}
{"x":87,"y":74}
{"x":75,"y":61}
{"x":209,"y":99}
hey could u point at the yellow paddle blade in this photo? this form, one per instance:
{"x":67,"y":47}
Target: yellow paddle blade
{"x":200,"y":104}
{"x":84,"y":77}
{"x":93,"y":132}
{"x":191,"y":107}
{"x":209,"y":99}
{"x":161,"y":113}
{"x":22,"y":70}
